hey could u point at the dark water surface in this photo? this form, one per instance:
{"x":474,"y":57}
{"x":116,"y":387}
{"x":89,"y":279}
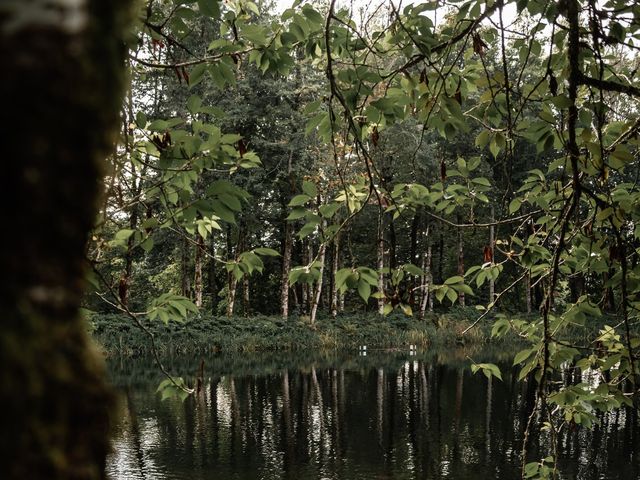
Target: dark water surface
{"x":343,"y":416}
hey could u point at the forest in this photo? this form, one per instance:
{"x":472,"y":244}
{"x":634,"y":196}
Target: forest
{"x":212,"y":177}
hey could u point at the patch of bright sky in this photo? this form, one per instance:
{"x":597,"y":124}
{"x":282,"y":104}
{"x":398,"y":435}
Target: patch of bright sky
{"x":363,"y":8}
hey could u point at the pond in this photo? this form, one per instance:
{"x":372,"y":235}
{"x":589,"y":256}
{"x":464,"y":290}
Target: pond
{"x":346,"y":415}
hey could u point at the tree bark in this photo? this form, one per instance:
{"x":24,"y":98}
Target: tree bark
{"x":317,"y":292}
{"x":492,"y":242}
{"x":66,"y":70}
{"x":427,"y":279}
{"x":335,"y":265}
{"x":413,"y":253}
{"x":213,"y":286}
{"x":197,"y":277}
{"x":185,"y":274}
{"x":527,"y":286}
{"x":287,"y":244}
{"x":380,"y":242}
{"x":461,"y":298}
{"x":246,"y":300}
{"x":232,"y":280}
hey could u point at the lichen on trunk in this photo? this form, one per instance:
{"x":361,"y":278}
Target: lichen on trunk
{"x":64,"y":65}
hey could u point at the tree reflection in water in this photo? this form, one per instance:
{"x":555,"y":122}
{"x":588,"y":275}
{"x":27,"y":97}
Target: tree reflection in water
{"x":343,"y":416}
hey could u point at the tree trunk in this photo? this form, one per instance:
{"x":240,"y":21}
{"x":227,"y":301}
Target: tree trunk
{"x":231,"y":294}
{"x":334,"y":270}
{"x":460,"y":259}
{"x":318,"y":289}
{"x":527,"y":286}
{"x":287,"y":244}
{"x":197,"y":278}
{"x":65,"y":68}
{"x":245,"y":296}
{"x":232,"y":279}
{"x":413,"y":254}
{"x":213,"y":287}
{"x":427,"y":279}
{"x":441,"y":259}
{"x":492,"y":242}
{"x":185,"y":274}
{"x":380,"y":243}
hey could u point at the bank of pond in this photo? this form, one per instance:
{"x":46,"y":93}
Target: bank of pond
{"x":119,"y":334}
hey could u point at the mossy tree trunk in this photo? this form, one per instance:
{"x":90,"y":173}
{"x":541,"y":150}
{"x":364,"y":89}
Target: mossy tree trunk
{"x":62,"y":64}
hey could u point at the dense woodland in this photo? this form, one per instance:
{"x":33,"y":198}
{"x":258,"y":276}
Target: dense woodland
{"x":329,"y":159}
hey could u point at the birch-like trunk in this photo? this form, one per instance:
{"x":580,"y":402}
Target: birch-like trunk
{"x":427,"y":280}
{"x":318,"y":288}
{"x":287,"y":245}
{"x":245,"y":296}
{"x":287,"y":248}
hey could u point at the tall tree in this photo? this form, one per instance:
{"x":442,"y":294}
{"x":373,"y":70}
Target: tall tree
{"x":66,"y":63}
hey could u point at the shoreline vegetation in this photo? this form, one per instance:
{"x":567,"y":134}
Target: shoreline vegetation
{"x":118,"y":335}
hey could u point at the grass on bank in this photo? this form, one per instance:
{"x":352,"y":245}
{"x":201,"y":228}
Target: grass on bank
{"x":118,"y":334}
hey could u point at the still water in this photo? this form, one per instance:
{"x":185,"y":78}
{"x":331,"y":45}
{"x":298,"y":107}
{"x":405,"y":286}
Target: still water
{"x":383,"y":415}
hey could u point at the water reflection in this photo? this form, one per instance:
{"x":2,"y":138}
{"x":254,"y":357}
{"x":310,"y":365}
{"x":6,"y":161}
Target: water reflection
{"x":380,"y":416}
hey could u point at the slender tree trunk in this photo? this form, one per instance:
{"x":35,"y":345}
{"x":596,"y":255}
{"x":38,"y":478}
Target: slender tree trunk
{"x":124,"y":284}
{"x":245,"y":296}
{"x":65,"y":67}
{"x":318,"y":289}
{"x":286,"y":269}
{"x":461,"y":298}
{"x":305,"y":288}
{"x":231,"y":294}
{"x":232,"y":279}
{"x":214,"y":288}
{"x":334,"y":270}
{"x":527,"y":286}
{"x":441,"y":259}
{"x":427,"y":279}
{"x":197,"y":278}
{"x":492,"y":242}
{"x":393,"y":259}
{"x":413,"y":254}
{"x":287,"y":246}
{"x":380,"y":243}
{"x":185,"y":274}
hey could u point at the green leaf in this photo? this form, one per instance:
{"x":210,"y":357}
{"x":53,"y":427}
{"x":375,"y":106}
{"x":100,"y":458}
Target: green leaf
{"x":483,"y":139}
{"x":297,"y":213}
{"x":299,"y":200}
{"x":194,"y":103}
{"x":310,"y":189}
{"x":210,"y":8}
{"x":455,"y":279}
{"x":482,"y":181}
{"x":197,"y":74}
{"x":514,"y":205}
{"x":141,"y":119}
{"x":523,"y":355}
{"x":364,"y":289}
{"x":488,"y":369}
{"x":269,"y":252}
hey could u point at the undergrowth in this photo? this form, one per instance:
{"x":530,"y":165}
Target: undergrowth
{"x":117,"y":334}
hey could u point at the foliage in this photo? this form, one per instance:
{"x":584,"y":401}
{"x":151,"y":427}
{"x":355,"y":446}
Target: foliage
{"x":442,"y":132}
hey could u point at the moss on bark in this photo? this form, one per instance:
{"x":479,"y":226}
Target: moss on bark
{"x":62,"y":78}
